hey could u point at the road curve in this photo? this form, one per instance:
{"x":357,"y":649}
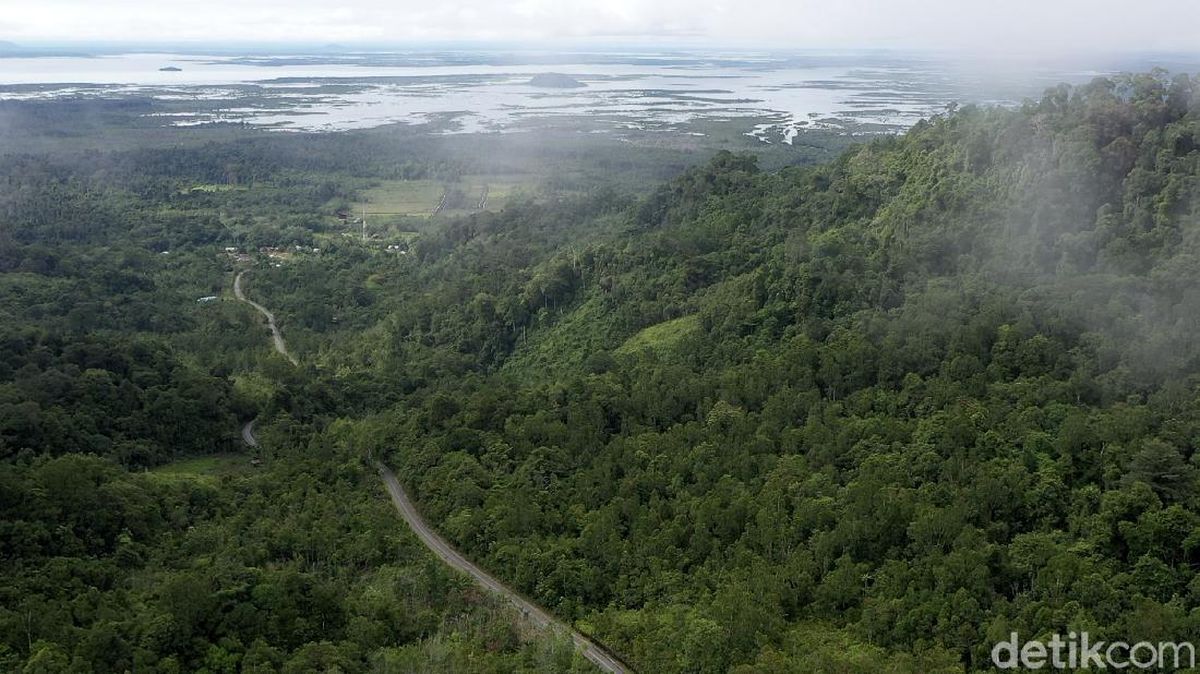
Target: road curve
{"x":595,"y":653}
{"x":276,"y":335}
{"x":532,"y":612}
{"x":248,"y":434}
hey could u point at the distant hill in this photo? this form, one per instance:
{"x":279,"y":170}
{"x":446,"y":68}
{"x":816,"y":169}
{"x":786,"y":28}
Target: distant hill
{"x":555,"y":81}
{"x":170,"y":69}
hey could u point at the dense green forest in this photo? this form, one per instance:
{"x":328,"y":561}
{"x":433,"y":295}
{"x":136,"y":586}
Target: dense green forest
{"x":871,"y":415}
{"x":135,"y":533}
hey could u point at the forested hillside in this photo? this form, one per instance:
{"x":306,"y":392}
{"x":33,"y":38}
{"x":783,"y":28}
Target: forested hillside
{"x":872,"y":415}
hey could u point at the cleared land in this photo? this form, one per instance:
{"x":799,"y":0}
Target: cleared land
{"x":401,"y":198}
{"x":661,"y":337}
{"x":206,"y":467}
{"x":419,"y":198}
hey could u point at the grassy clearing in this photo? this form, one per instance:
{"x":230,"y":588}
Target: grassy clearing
{"x":500,"y":188}
{"x":401,"y":198}
{"x":409,"y":198}
{"x":661,"y":337}
{"x":572,"y":338}
{"x":206,"y":467}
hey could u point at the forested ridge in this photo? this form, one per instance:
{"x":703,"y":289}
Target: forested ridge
{"x":869,"y":416}
{"x":872,"y":415}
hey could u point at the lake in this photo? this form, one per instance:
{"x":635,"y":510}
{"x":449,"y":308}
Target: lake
{"x":778,"y":94}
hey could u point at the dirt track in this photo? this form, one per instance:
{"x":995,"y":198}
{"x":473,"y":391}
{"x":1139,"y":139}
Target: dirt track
{"x":276,"y":335}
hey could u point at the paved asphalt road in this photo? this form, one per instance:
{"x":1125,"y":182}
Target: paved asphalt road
{"x":535,"y":614}
{"x":532,"y":612}
{"x":248,"y":434}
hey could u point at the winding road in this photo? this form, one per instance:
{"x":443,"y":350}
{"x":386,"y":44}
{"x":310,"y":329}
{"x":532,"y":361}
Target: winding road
{"x":248,"y":434}
{"x":536,"y":615}
{"x":276,"y":335}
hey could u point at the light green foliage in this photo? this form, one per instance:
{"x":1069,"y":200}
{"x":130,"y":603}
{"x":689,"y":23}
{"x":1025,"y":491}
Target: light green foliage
{"x":661,"y":337}
{"x":400,"y":197}
{"x":207,"y":467}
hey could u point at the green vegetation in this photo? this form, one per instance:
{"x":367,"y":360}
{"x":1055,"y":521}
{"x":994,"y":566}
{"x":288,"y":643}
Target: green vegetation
{"x":215,"y":188}
{"x":661,"y":337}
{"x":871,"y":415}
{"x":936,"y":391}
{"x":401,"y":197}
{"x":207,"y":467}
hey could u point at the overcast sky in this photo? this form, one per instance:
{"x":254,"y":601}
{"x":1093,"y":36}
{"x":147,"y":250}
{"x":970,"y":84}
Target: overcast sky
{"x":991,"y":25}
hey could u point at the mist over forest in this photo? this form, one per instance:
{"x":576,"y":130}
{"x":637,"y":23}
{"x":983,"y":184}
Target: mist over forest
{"x":657,"y":340}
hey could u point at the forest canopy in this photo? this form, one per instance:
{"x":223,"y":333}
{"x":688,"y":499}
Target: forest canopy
{"x":868,"y":415}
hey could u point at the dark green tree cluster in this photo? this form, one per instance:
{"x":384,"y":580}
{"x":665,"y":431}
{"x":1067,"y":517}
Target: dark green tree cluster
{"x":299,"y":568}
{"x":132,"y":401}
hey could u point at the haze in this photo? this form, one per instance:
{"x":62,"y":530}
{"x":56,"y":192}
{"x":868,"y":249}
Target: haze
{"x":1021,"y":26}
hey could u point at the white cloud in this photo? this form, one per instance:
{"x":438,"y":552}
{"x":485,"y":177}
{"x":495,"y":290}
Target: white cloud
{"x":1060,"y":25}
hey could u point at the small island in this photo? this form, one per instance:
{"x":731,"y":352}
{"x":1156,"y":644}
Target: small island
{"x":170,"y":69}
{"x":555,"y":81}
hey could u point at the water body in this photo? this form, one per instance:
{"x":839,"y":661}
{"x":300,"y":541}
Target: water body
{"x":777,"y":94}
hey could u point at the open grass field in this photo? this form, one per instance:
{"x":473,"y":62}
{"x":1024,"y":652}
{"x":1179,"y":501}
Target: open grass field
{"x":401,"y":198}
{"x":500,"y":188}
{"x":419,"y":198}
{"x":661,"y":337}
{"x":211,"y":467}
